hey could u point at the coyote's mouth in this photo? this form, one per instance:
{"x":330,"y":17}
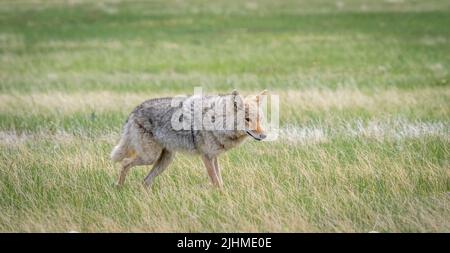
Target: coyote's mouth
{"x":254,"y":137}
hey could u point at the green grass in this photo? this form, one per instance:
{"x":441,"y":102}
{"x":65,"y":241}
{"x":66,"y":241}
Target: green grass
{"x":365,"y":114}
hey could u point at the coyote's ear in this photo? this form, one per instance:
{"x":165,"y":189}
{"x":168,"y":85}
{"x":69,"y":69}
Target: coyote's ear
{"x":259,"y":96}
{"x":264,"y":92}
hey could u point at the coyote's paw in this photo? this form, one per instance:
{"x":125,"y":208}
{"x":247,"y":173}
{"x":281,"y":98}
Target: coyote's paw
{"x":117,"y":185}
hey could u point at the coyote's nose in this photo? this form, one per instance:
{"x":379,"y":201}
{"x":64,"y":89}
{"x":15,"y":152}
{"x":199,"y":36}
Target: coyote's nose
{"x":256,"y":136}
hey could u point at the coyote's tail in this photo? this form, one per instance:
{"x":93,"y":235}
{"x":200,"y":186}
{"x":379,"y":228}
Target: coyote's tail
{"x":120,"y":150}
{"x":118,"y":153}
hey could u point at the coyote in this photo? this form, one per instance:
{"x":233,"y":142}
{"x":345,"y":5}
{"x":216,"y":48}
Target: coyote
{"x":158,"y":128}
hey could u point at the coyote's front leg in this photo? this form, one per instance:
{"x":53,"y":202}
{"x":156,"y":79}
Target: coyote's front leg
{"x":213,"y":170}
{"x":217,"y":169}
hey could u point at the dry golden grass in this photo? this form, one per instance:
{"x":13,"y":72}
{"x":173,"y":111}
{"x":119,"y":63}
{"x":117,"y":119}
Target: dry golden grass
{"x":292,"y":100}
{"x":371,"y":186}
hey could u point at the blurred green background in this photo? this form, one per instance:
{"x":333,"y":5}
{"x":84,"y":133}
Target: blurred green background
{"x":365,"y":114}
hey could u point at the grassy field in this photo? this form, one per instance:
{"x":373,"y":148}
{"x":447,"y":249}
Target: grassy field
{"x":364,"y":88}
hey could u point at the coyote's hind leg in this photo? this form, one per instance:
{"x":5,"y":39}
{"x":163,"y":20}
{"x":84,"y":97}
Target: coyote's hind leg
{"x":127,"y":164}
{"x":161,"y":164}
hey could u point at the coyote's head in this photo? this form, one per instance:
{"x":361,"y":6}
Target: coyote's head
{"x":253,"y":114}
